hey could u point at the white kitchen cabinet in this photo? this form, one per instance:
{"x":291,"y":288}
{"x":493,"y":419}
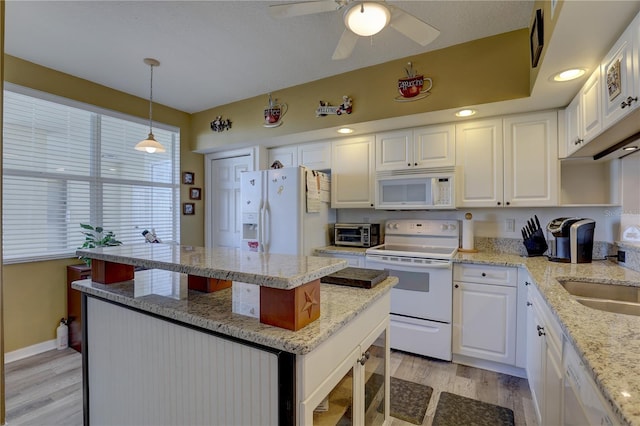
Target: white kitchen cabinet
{"x":341,"y":395}
{"x":619,"y":94}
{"x":425,"y":147}
{"x":544,"y":360}
{"x":531,"y":160}
{"x":352,"y":173}
{"x":573,"y":126}
{"x":287,"y":155}
{"x":591,"y":107}
{"x":479,"y":163}
{"x":511,"y":162}
{"x":484,"y":312}
{"x":316,"y":156}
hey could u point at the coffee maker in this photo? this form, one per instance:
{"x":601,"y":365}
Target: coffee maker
{"x":573,"y":239}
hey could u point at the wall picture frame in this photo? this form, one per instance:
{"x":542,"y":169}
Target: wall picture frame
{"x":614,"y":83}
{"x":536,"y":38}
{"x":188,"y":178}
{"x":195,"y":193}
{"x":188,"y":209}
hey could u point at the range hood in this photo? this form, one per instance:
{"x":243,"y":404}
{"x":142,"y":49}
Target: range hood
{"x":611,"y":143}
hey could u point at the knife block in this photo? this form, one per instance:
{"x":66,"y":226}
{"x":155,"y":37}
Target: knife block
{"x":536,"y":244}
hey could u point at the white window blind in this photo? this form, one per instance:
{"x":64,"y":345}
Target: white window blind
{"x":65,"y":164}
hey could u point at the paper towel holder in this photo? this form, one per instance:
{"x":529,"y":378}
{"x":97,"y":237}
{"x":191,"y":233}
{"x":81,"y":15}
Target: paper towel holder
{"x":467,"y":219}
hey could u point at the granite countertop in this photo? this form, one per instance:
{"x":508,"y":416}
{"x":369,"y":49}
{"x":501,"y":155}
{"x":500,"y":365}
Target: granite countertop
{"x":166,"y":294}
{"x":269,"y":270}
{"x":352,"y":251}
{"x":608,"y":343}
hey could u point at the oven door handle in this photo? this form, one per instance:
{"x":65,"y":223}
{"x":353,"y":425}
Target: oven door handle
{"x":434,"y":265}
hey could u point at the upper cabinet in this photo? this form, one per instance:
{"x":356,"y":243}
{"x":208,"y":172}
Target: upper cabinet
{"x":591,"y":106}
{"x":425,"y":147}
{"x":352,"y":173}
{"x":479,"y":163}
{"x":316,"y":156}
{"x":508,"y":162}
{"x":607,"y":97}
{"x":619,"y":94}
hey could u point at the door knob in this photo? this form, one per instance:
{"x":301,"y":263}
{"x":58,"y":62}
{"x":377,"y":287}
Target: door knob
{"x":363,"y":359}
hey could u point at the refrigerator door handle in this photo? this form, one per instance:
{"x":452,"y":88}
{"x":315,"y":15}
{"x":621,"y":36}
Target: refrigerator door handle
{"x":260,"y":225}
{"x":266,"y":235}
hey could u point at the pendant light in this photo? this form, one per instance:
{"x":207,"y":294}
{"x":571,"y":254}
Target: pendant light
{"x":150,"y":144}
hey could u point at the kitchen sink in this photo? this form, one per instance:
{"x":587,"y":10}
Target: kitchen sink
{"x":620,"y":299}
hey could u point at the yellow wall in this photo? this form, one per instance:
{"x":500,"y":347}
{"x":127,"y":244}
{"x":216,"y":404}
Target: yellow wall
{"x":35,"y":293}
{"x":481,"y":71}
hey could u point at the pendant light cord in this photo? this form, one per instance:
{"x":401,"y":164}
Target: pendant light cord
{"x":151,"y":102}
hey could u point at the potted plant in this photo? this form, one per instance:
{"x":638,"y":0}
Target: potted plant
{"x":97,"y":237}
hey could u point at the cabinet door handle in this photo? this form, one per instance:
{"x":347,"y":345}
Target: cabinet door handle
{"x":529,"y":303}
{"x":415,"y":164}
{"x":408,"y":164}
{"x":363,"y":359}
{"x":508,"y":203}
{"x":541,"y":331}
{"x":628,"y":102}
{"x":456,"y":286}
{"x":527,"y":283}
{"x":578,"y":141}
{"x":484,"y":274}
{"x":499,"y":203}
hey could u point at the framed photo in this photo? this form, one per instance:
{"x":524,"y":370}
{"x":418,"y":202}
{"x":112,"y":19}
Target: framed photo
{"x":613,"y":80}
{"x":188,"y":208}
{"x":195,"y":194}
{"x":536,"y":39}
{"x":188,"y":178}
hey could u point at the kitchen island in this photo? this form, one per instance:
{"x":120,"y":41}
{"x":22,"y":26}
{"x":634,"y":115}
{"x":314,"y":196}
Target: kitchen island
{"x":159,"y":353}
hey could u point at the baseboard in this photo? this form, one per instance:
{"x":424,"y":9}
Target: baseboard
{"x":490,"y":365}
{"x":36,"y":349}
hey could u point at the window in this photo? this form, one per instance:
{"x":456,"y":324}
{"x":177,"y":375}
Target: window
{"x":66,"y":163}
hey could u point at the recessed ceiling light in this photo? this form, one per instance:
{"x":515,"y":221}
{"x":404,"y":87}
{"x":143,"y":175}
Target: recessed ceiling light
{"x":570,"y":74}
{"x":345,"y":130}
{"x":630,"y":148}
{"x":465,"y":112}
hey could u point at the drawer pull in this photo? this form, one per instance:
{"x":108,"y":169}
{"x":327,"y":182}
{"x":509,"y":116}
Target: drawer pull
{"x":363,"y":359}
{"x":529,"y":303}
{"x":484,"y":274}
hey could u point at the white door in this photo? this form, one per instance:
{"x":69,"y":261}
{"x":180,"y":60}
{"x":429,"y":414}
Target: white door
{"x":484,"y":318}
{"x":479,"y":163}
{"x":225,"y":201}
{"x":531,"y":160}
{"x":283,"y":211}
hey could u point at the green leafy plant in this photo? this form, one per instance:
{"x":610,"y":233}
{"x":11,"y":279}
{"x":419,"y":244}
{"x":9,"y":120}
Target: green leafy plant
{"x":97,"y":237}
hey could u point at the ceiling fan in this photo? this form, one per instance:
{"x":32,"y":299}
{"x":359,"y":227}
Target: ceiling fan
{"x":361,"y":18}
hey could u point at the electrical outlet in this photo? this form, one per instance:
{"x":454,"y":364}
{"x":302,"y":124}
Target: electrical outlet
{"x":510,"y":225}
{"x":621,"y":256}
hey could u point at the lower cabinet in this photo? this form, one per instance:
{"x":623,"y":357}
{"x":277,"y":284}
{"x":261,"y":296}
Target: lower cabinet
{"x":484,"y":312}
{"x":340,"y":397}
{"x":544,"y":360}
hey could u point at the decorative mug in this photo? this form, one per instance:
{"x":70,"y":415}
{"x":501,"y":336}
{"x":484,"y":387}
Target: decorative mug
{"x":410,"y":87}
{"x":274,"y":113}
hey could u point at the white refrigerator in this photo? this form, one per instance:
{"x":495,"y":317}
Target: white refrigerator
{"x":274,"y":213}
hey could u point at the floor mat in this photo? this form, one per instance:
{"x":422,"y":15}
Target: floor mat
{"x":455,"y":410}
{"x":409,"y":400}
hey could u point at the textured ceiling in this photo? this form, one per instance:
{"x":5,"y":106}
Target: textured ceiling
{"x":216,"y":52}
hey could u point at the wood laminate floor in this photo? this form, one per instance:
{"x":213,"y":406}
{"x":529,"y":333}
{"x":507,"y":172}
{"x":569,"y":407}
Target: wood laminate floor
{"x":46,"y":389}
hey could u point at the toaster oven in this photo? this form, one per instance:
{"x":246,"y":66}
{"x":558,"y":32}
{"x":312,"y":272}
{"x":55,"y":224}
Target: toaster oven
{"x":357,"y":234}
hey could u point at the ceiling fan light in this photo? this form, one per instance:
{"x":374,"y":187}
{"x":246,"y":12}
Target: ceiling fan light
{"x":367,"y":18}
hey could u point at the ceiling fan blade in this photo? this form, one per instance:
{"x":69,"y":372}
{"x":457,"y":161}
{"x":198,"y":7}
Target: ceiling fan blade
{"x":289,"y":10}
{"x":345,"y":46}
{"x":412,"y":27}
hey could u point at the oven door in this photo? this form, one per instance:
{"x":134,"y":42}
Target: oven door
{"x":424,"y":291}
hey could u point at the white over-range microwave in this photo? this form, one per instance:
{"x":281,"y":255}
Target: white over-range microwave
{"x":417,"y":189}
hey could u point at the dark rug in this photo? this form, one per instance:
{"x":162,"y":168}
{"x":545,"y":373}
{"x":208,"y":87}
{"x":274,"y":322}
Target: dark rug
{"x":409,"y":400}
{"x":455,"y":410}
